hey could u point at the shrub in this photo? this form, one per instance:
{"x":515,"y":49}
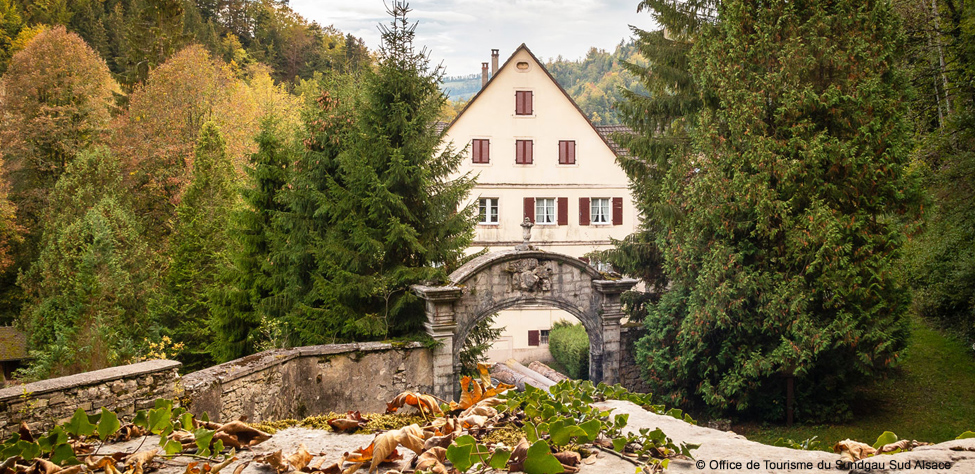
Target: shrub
{"x":569,"y":345}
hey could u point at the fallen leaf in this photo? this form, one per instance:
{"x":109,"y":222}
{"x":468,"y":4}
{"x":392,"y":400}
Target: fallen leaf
{"x":517,"y":460}
{"x":353,"y":421}
{"x":246,"y":435}
{"x":300,"y":458}
{"x":424,"y":403}
{"x":275,"y":460}
{"x":192,"y":469}
{"x":240,"y":467}
{"x":353,"y":468}
{"x":136,"y":462}
{"x":432,"y":460}
{"x":473,"y":421}
{"x":226,"y":462}
{"x":568,"y":458}
{"x":902,"y":445}
{"x":24,"y":432}
{"x":411,"y":437}
{"x":229,"y":441}
{"x":850,"y":450}
{"x":383,"y":446}
{"x":43,"y":466}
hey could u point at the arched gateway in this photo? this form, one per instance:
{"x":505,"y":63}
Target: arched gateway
{"x":501,"y":280}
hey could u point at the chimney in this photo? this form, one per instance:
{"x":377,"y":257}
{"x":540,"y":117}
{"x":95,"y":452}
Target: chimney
{"x":484,"y":74}
{"x":494,"y":62}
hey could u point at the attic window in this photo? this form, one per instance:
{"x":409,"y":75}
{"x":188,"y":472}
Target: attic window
{"x":522,"y":65}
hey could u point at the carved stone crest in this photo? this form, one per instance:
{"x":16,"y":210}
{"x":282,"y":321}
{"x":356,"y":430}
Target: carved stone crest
{"x":528,"y":274}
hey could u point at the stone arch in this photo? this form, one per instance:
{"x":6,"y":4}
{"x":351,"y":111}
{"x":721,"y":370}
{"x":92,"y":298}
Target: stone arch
{"x":500,"y":280}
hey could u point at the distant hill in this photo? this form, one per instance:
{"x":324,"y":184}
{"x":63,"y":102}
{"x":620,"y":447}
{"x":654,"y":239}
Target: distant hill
{"x":593,"y":82}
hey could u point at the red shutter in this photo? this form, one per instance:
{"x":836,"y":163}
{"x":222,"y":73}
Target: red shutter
{"x":533,"y":338}
{"x":563,"y":211}
{"x":570,"y":148}
{"x":485,"y":151}
{"x":529,"y":151}
{"x":528,"y":103}
{"x":583,"y":211}
{"x":617,"y":211}
{"x":523,"y":102}
{"x":480,"y":151}
{"x":475,"y":151}
{"x":519,"y":153}
{"x":530,"y":209}
{"x":561,"y":152}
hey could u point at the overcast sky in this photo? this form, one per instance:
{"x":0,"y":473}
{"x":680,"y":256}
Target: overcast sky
{"x":461,"y":33}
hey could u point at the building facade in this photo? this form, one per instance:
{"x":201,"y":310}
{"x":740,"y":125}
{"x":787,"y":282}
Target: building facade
{"x":537,"y":155}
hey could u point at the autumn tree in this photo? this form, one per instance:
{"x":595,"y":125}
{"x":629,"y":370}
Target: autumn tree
{"x":198,"y":249}
{"x":87,"y":291}
{"x":783,"y":252}
{"x":10,"y":24}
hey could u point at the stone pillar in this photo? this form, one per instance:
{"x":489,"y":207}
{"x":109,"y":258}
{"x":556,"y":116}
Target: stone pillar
{"x":610,"y":314}
{"x":441,"y":326}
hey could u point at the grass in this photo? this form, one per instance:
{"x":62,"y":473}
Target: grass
{"x":930,"y":397}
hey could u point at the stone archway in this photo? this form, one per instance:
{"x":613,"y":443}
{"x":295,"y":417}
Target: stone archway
{"x":500,"y":280}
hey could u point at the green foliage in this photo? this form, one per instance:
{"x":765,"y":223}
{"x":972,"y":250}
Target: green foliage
{"x":88,"y":289}
{"x":569,"y":345}
{"x":10,"y":24}
{"x":372,"y":208}
{"x":464,"y":452}
{"x":597,"y":81}
{"x":198,"y":249}
{"x":885,"y":438}
{"x":806,"y":444}
{"x":966,"y":435}
{"x":477,"y":344}
{"x":784,"y":256}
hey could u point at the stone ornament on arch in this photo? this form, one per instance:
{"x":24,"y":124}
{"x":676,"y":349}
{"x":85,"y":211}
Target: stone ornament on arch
{"x":506,"y":279}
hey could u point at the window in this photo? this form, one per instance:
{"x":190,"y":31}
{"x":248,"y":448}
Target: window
{"x":488,"y":211}
{"x":567,"y":152}
{"x":523,"y":152}
{"x":533,"y":337}
{"x":599,"y":211}
{"x":480,"y":150}
{"x":523,"y":103}
{"x":545,"y":211}
{"x":543,"y":336}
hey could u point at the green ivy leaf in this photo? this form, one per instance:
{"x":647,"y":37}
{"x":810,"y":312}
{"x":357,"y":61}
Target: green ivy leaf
{"x":79,"y":424}
{"x":562,"y":435}
{"x":141,"y":419}
{"x":203,"y":439}
{"x":108,"y":424}
{"x":52,"y":439}
{"x":592,"y":429}
{"x":28,"y":451}
{"x":172,"y":446}
{"x":160,"y":419}
{"x":966,"y":435}
{"x":63,"y":454}
{"x":164,"y":403}
{"x":187,"y":421}
{"x":531,"y":432}
{"x":218,"y":447}
{"x":886,"y":438}
{"x":541,"y":461}
{"x":460,"y":456}
{"x":204,"y":417}
{"x":499,"y":459}
{"x":619,"y":444}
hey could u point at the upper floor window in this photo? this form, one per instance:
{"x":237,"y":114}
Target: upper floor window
{"x":545,"y":210}
{"x":480,"y":150}
{"x":599,"y":211}
{"x":523,"y":103}
{"x":567,"y":152}
{"x":487,"y":211}
{"x":523,"y":152}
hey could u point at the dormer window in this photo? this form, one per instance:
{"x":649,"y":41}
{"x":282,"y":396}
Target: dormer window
{"x":523,"y":103}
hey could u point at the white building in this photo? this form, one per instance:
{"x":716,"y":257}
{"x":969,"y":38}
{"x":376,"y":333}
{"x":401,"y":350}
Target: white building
{"x":537,"y":155}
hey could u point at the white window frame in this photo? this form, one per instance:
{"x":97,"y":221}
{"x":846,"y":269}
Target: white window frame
{"x":484,"y":214}
{"x":600,"y":211}
{"x":541,"y":204}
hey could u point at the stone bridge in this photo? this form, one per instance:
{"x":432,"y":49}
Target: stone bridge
{"x":501,"y":280}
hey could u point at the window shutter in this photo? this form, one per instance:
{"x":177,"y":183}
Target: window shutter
{"x":570,"y":148}
{"x":617,"y":211}
{"x":584,"y":211}
{"x":480,"y":151}
{"x":476,"y":151}
{"x":529,"y":149}
{"x":562,"y":152}
{"x":530,"y":209}
{"x":528,"y":103}
{"x":563,"y":211}
{"x":533,"y":338}
{"x":485,"y":151}
{"x":519,"y":152}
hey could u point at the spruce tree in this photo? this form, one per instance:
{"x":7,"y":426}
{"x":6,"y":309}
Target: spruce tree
{"x":387,"y":214}
{"x":198,"y":248}
{"x":240,"y":305}
{"x":783,"y":258}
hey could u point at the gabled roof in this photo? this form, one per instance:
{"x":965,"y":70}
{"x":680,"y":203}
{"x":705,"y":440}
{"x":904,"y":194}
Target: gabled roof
{"x":552,"y":78}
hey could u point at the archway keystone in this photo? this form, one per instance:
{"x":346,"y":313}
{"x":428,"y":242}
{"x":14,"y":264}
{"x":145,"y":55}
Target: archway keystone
{"x":501,"y":280}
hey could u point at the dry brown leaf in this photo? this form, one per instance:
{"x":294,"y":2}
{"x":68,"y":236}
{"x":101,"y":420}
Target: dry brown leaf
{"x":517,"y":460}
{"x":903,"y":445}
{"x":275,"y":460}
{"x":246,"y":435}
{"x":240,"y":467}
{"x":424,"y":403}
{"x":439,"y":441}
{"x":484,"y":370}
{"x":136,"y":461}
{"x":383,"y":446}
{"x":411,"y":437}
{"x":360,"y":455}
{"x":103,"y":461}
{"x":480,"y":410}
{"x":300,"y":458}
{"x":229,"y":441}
{"x":353,"y":468}
{"x":333,"y":468}
{"x":432,"y":460}
{"x":850,"y":450}
{"x":76,"y":469}
{"x":192,"y":469}
{"x":43,"y":466}
{"x":226,"y":462}
{"x":24,"y":432}
{"x":473,"y":421}
{"x":8,"y":465}
{"x":568,"y":458}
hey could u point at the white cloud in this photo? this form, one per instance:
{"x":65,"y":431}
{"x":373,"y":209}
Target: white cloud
{"x":463,"y":32}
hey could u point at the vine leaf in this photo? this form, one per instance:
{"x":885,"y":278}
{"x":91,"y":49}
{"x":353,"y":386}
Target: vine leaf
{"x":79,"y":425}
{"x":108,"y":424}
{"x":885,"y":438}
{"x":966,"y":435}
{"x":541,"y":461}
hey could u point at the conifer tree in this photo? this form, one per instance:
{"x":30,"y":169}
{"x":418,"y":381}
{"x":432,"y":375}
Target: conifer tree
{"x":87,"y":292}
{"x":387,"y":215}
{"x":240,"y":305}
{"x":783,"y":259}
{"x":198,"y":248}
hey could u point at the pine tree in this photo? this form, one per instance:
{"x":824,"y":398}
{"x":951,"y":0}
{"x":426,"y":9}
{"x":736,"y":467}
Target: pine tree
{"x":783,"y":260}
{"x":387,"y":214}
{"x":659,"y":117}
{"x":240,"y":305}
{"x":198,"y":248}
{"x":87,"y":292}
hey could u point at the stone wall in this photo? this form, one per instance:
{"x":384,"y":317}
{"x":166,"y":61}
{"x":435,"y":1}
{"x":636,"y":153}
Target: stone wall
{"x":305,"y":381}
{"x":123,"y":390}
{"x":629,"y":370}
